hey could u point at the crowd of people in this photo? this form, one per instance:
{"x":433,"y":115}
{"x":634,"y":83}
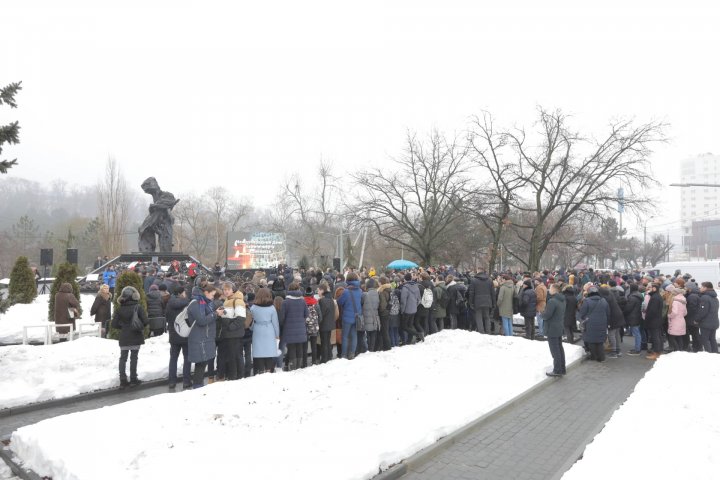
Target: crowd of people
{"x":293,"y":319}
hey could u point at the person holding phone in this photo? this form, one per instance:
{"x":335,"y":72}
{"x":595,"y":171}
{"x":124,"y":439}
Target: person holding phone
{"x":201,"y":341}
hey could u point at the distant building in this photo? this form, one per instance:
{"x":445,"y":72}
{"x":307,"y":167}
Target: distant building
{"x":699,"y":204}
{"x":704,"y":243}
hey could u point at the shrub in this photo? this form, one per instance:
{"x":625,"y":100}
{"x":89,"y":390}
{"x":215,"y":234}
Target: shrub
{"x":128,"y":279}
{"x":22,"y":282}
{"x":66,"y":273}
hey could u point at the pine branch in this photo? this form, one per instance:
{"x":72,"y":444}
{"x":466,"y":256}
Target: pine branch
{"x":6,"y":164}
{"x":7,"y":94}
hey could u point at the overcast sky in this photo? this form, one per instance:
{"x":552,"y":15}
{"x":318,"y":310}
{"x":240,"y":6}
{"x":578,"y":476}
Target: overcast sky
{"x":240,"y":93}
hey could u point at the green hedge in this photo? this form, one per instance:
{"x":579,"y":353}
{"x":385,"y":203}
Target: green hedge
{"x":23,"y":288}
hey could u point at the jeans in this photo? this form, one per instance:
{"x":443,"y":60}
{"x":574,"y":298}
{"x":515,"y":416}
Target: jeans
{"x":372,"y":339}
{"x":558,"y":354}
{"x":507,"y":326}
{"x":708,"y":340}
{"x":325,"y":347}
{"x":199,"y":373}
{"x":635,"y":331}
{"x":394,"y":336}
{"x":529,"y":328}
{"x":655,"y":336}
{"x":421,"y":321}
{"x":453,"y":321}
{"x":134,"y":362}
{"x":540,"y":324}
{"x":432,"y":323}
{"x":482,"y":319}
{"x":615,"y":341}
{"x":175,"y":350}
{"x":350,"y":340}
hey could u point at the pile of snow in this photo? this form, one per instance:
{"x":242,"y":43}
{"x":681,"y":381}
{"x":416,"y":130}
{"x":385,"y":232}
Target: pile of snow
{"x":5,"y":472}
{"x":32,"y":374}
{"x":669,"y":425}
{"x":36,"y":313}
{"x":344,"y":419}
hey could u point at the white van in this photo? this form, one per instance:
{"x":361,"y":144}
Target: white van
{"x":700,"y":271}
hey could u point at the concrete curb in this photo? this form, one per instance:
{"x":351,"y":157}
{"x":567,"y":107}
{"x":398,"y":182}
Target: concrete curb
{"x":400,"y":469}
{"x":59,"y":402}
{"x":17,"y":470}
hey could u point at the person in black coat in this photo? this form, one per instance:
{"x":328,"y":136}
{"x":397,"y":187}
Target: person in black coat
{"x":481,"y":297}
{"x":693,"y":309}
{"x":130,"y":339}
{"x":155,"y":311}
{"x":654,"y":321}
{"x":327,"y":325}
{"x":707,"y":318}
{"x":101,"y":309}
{"x":528,"y":308}
{"x":633,"y":317}
{"x":178,"y":301}
{"x":570,"y":322}
{"x":595,"y":316}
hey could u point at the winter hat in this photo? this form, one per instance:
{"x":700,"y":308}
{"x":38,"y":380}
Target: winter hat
{"x":309,"y":291}
{"x":129,"y":293}
{"x":592,"y":290}
{"x":527,"y":283}
{"x":153,"y":287}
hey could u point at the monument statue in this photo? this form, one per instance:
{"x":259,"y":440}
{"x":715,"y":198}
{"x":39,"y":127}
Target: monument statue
{"x":159,"y":221}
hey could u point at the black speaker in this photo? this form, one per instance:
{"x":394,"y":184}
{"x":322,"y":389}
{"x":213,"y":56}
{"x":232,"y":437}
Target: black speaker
{"x":336,"y":264}
{"x":72,"y":256}
{"x":46,"y":257}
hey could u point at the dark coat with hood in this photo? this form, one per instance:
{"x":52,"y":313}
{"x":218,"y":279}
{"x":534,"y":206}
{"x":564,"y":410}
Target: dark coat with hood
{"x":481,"y":293}
{"x":653,"y":312}
{"x":122,"y":320}
{"x":708,"y":315}
{"x":570,"y":308}
{"x":595,"y":316}
{"x":528,"y":302}
{"x":201,"y":341}
{"x":154,"y":304}
{"x":693,"y":307}
{"x":327,"y":312}
{"x":174,"y":307}
{"x":554,"y":315}
{"x":409,"y":298}
{"x":292,"y":317}
{"x":617,"y":318}
{"x":633,"y":310}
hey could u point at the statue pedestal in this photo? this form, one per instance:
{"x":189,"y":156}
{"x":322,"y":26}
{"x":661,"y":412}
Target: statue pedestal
{"x":145,"y":257}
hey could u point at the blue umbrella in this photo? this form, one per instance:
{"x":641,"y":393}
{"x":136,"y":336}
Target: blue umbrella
{"x":401,"y":265}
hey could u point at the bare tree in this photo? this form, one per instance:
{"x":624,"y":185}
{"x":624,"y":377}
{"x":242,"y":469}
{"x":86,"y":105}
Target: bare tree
{"x":561,"y":182}
{"x":491,"y":203}
{"x":415,"y":204}
{"x":113,"y":208}
{"x":194,"y":222}
{"x":219,"y":203}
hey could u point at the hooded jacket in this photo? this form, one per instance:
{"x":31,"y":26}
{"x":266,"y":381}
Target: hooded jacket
{"x":350,"y":302}
{"x":676,"y":316}
{"x":708,"y":315}
{"x":505,"y":299}
{"x":233,"y":327}
{"x":409,"y":298}
{"x":122,"y":320}
{"x":570,"y":308}
{"x":371,"y":310}
{"x":64,"y":300}
{"x":384,"y":292}
{"x":633,"y":316}
{"x":481,"y":293}
{"x":554,"y":315}
{"x":174,"y":307}
{"x":594,"y":316}
{"x":528,"y":302}
{"x":693,"y":306}
{"x":327,"y":310}
{"x":294,"y":311}
{"x":653,"y":312}
{"x":201,"y":341}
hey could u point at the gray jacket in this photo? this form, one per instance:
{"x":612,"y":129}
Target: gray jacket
{"x":409,"y":298}
{"x":371,"y":310}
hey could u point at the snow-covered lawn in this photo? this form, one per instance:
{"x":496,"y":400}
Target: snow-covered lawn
{"x":31,"y":374}
{"x":669,"y":427}
{"x":20,"y":315}
{"x":343,"y":419}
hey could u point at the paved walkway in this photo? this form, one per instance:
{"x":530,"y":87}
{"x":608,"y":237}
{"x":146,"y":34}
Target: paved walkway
{"x":11,"y":423}
{"x":543,"y":435}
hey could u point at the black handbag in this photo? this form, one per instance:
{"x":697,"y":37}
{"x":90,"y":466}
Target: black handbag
{"x":135,"y":323}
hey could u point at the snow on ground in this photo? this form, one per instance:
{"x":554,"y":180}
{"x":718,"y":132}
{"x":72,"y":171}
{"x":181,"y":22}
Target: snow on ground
{"x":17,"y":316}
{"x":338,"y":420}
{"x":31,"y":374}
{"x":668,"y":428}
{"x":5,"y":472}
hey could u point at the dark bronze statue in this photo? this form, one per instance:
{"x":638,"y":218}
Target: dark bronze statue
{"x":160,"y":220}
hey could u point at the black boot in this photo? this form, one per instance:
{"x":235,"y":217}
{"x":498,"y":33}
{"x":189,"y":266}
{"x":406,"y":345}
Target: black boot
{"x":124,"y":382}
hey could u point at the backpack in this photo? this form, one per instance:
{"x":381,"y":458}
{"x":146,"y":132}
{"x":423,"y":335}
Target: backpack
{"x":459,"y":300}
{"x":181,"y":325}
{"x":312,"y":322}
{"x":394,"y":304}
{"x":427,"y":298}
{"x":516,"y":304}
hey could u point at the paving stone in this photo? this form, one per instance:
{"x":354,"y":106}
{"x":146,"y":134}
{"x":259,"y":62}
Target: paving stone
{"x":536,"y":438}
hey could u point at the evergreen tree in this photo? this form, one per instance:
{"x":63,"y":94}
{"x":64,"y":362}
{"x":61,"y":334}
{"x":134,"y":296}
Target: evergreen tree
{"x":9,"y":133}
{"x":66,"y":273}
{"x":128,"y":279}
{"x":22,"y":282}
